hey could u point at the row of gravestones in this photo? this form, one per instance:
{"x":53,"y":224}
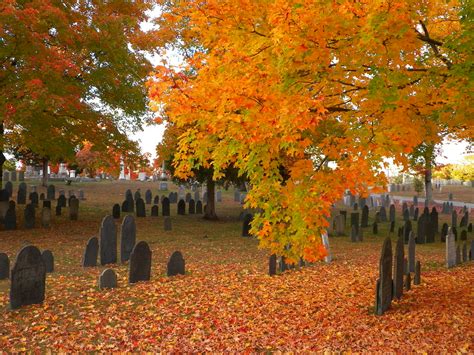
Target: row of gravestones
{"x":12,"y":176}
{"x":28,"y":275}
{"x":140,"y":210}
{"x":454,"y":254}
{"x":173,"y":197}
{"x":392,"y":280}
{"x":34,"y":196}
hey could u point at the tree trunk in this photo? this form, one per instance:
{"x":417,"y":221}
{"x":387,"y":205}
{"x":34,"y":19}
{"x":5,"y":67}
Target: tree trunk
{"x":45,"y":172}
{"x":211,"y":200}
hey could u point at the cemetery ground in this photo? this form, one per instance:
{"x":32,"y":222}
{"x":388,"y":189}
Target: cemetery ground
{"x":226,"y":300}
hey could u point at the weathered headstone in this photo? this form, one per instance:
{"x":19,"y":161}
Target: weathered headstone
{"x":107,"y":279}
{"x":272,"y":265}
{"x":407,"y":228}
{"x":21,"y":195}
{"x":444,"y":232}
{"x":165,"y":206}
{"x":421,"y":230}
{"x":339,"y":224}
{"x":10,"y":217}
{"x":46,"y":217}
{"x":469,"y":228}
{"x":42,"y":196}
{"x":364,"y":222}
{"x":73,"y":209}
{"x":47,"y":204}
{"x":464,"y":252}
{"x":415,"y":215}
{"x":81,"y":195}
{"x":62,"y":201}
{"x":58,"y":210}
{"x":167,"y":223}
{"x":108,"y":241}
{"x":176,"y":264}
{"x":383,"y":214}
{"x":90,"y":254}
{"x":246,"y":225}
{"x":30,"y":216}
{"x":188,"y":197}
{"x":392,"y":227}
{"x":192,"y":207}
{"x":48,"y":260}
{"x":140,"y":207}
{"x":398,"y":269}
{"x":21,"y":176}
{"x":154,"y":211}
{"x":156,"y":200}
{"x":28,"y":278}
{"x":137,"y":194}
{"x":128,"y":235}
{"x":140,"y":263}
{"x":450,"y":249}
{"x":4,"y":266}
{"x":392,"y":213}
{"x":411,"y":253}
{"x":406,"y":214}
{"x":34,"y":198}
{"x":384,"y":283}
{"x":51,"y":192}
{"x":434,"y":220}
{"x":116,"y":211}
{"x":458,"y":255}
{"x":181,"y":207}
{"x":148,"y":197}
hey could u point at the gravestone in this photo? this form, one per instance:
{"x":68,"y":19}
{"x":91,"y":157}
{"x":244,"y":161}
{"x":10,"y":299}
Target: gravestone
{"x":28,"y":278}
{"x":137,"y":195}
{"x":405,"y":266}
{"x":128,"y":235}
{"x":81,"y":195}
{"x":73,"y":209}
{"x":90,"y":254}
{"x":392,"y":213}
{"x":30,"y":216}
{"x":364,"y":222}
{"x":192,"y":207}
{"x":384,"y":283}
{"x":356,"y":206}
{"x":108,"y":241}
{"x":188,"y":197}
{"x":463,"y":235}
{"x":272,"y":265}
{"x":47,"y":204}
{"x":163,"y":186}
{"x":246,"y":225}
{"x":375,"y":228}
{"x":140,"y":207}
{"x":181,"y":207}
{"x":167,"y":223}
{"x":383,"y":214}
{"x":9,"y":188}
{"x":148,"y":197}
{"x":455,"y":232}
{"x":219,"y":196}
{"x":444,"y":232}
{"x":408,"y":282}
{"x":421,"y":230}
{"x":411,"y":253}
{"x":130,"y":205}
{"x":412,"y":211}
{"x":124,"y":206}
{"x":199,"y":207}
{"x":48,"y":260}
{"x":429,"y":227}
{"x":107,"y":279}
{"x":46,"y":217}
{"x":34,"y":199}
{"x":176,"y":264}
{"x":325,"y":240}
{"x":450,"y":249}
{"x":339,"y":224}
{"x":21,"y":195}
{"x":140,"y":263}
{"x":165,"y":206}
{"x":42,"y":197}
{"x":415,"y":215}
{"x":156,"y":200}
{"x":360,"y":235}
{"x":4,"y":266}
{"x":406,"y":215}
{"x":51,"y":192}
{"x":154,"y":211}
{"x":434,"y":220}
{"x":72,"y":197}
{"x":62,"y":201}
{"x":10,"y":217}
{"x":355,"y":220}
{"x":415,"y":200}
{"x":454,"y":218}
{"x":58,"y":210}
{"x":407,"y":228}
{"x":196,"y":195}
{"x":398,"y":269}
{"x":116,"y":211}
{"x":354,"y":235}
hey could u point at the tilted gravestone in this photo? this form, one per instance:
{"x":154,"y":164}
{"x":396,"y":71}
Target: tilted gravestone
{"x":148,"y":197}
{"x":167,"y":223}
{"x":246,"y":225}
{"x":165,"y":206}
{"x":108,"y":241}
{"x":30,"y":216}
{"x":4,"y":266}
{"x":21,"y":194}
{"x":140,"y":263}
{"x":108,"y":279}
{"x":272,"y":265}
{"x":51,"y":192}
{"x":116,"y":211}
{"x":398,"y":269}
{"x":90,"y":254}
{"x":140,"y":207}
{"x":128,"y":236}
{"x":392,"y":213}
{"x":28,"y":278}
{"x":192,"y":207}
{"x":176,"y":264}
{"x":411,"y":253}
{"x":154,"y":211}
{"x":384,"y":283}
{"x":199,"y":207}
{"x":10,"y":217}
{"x":48,"y":260}
{"x":364,"y":222}
{"x":450,"y":249}
{"x":73,"y":209}
{"x":181,"y":207}
{"x":46,"y":217}
{"x":417,"y":279}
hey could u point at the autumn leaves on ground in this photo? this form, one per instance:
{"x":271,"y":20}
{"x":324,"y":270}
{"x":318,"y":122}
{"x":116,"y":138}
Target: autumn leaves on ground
{"x":226,"y":300}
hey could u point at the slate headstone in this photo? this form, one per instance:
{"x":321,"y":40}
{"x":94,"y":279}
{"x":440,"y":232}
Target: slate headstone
{"x":411,"y":253}
{"x":450,"y":249}
{"x":176,"y":264}
{"x":48,"y":260}
{"x":108,"y":241}
{"x":73,"y":209}
{"x":10,"y":217}
{"x":46,"y":217}
{"x":384,"y":283}
{"x":108,"y":279}
{"x":154,"y":211}
{"x":62,"y":201}
{"x":188,"y":197}
{"x":21,"y":195}
{"x":392,"y":213}
{"x":165,"y":206}
{"x":398,"y":269}
{"x":9,"y":188}
{"x":34,"y":198}
{"x":464,"y":252}
{"x":199,"y":207}
{"x":116,"y":211}
{"x":30,"y":216}
{"x":375,"y":228}
{"x":156,"y":200}
{"x":140,"y":263}
{"x":128,"y":235}
{"x":463,"y":235}
{"x":148,"y":197}
{"x":140,"y":207}
{"x":364,"y":222}
{"x":383,"y":214}
{"x":91,"y":252}
{"x":51,"y":192}
{"x":408,"y":282}
{"x":181,"y":207}
{"x":192,"y":207}
{"x":454,"y":218}
{"x":58,"y":210}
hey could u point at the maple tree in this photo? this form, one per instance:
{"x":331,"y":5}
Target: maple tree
{"x":71,"y":71}
{"x":298,"y":84}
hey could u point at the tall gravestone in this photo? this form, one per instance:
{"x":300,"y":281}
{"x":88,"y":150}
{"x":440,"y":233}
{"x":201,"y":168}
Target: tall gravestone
{"x":73,"y":209}
{"x":116,"y":211}
{"x":192,"y":207}
{"x":407,"y":228}
{"x":9,"y":188}
{"x":415,"y":214}
{"x":450,"y":249}
{"x":4,"y":198}
{"x":383,"y":214}
{"x":181,"y":207}
{"x":128,"y":235}
{"x":355,"y":221}
{"x":364,"y":222}
{"x":34,"y":198}
{"x":434,"y":220}
{"x":156,"y":200}
{"x":384,"y":283}
{"x":4,"y":266}
{"x":108,"y":241}
{"x":411,"y":253}
{"x":176,"y":264}
{"x":398,"y":269}
{"x":199,"y":207}
{"x":51,"y":192}
{"x":10,"y":217}
{"x":140,"y":263}
{"x":30,"y":216}
{"x":28,"y":278}
{"x":21,"y":195}
{"x":61,"y":201}
{"x":392,"y":213}
{"x":137,"y":194}
{"x":90,"y":254}
{"x":140,"y":207}
{"x":354,"y":235}
{"x":148,"y":197}
{"x":339,"y":224}
{"x":165,"y":206}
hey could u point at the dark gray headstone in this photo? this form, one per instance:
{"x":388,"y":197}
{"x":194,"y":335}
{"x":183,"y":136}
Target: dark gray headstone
{"x":434,"y":220}
{"x":458,"y":255}
{"x":364,"y":222}
{"x":469,"y":228}
{"x":181,"y":207}
{"x":156,"y":200}
{"x":454,"y":219}
{"x":408,"y":282}
{"x":10,"y":217}
{"x":176,"y":264}
{"x":421,"y":230}
{"x":73,"y":209}
{"x":4,"y":266}
{"x":154,"y":211}
{"x":375,"y":228}
{"x":34,"y":198}
{"x":247,"y":224}
{"x":90,"y":254}
{"x":9,"y":188}
{"x":148,"y":197}
{"x":42,"y":197}
{"x":355,"y":220}
{"x":140,"y":263}
{"x":407,"y":228}
{"x":165,"y":206}
{"x":415,"y":214}
{"x":30,"y":216}
{"x":385,"y":284}
{"x":464,"y":252}
{"x":21,"y":195}
{"x":47,"y":204}
{"x":398,"y":269}
{"x":140,"y":207}
{"x":199,"y":207}
{"x":392,"y":227}
{"x":58,"y":210}
{"x":463,"y":235}
{"x":116,"y":211}
{"x":444,"y":232}
{"x":48,"y":260}
{"x":62,"y":201}
{"x":392,"y":213}
{"x":412,"y":211}
{"x":128,"y":236}
{"x":167,"y":223}
{"x":411,"y":253}
{"x":28,"y":278}
{"x":51,"y":192}
{"x":108,"y":241}
{"x":192,"y":207}
{"x":137,"y":194}
{"x":272,"y":265}
{"x":108,"y":279}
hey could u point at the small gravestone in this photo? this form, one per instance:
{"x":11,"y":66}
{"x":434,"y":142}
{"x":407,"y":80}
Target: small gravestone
{"x":156,"y":200}
{"x":407,"y":228}
{"x":272,"y":265}
{"x":383,"y":214}
{"x":192,"y":207}
{"x":463,"y":235}
{"x":9,"y":188}
{"x":71,"y":193}
{"x":181,"y":207}
{"x":450,"y":249}
{"x":58,"y":210}
{"x":176,"y":264}
{"x":48,"y":260}
{"x":28,"y":278}
{"x":464,"y":252}
{"x":392,"y":213}
{"x":90,"y":254}
{"x":30,"y":216}
{"x":46,"y":217}
{"x":165,"y":206}
{"x":62,"y":201}
{"x":163,"y":186}
{"x":21,"y":195}
{"x":73,"y":209}
{"x":408,"y":282}
{"x":51,"y":192}
{"x":108,"y":279}
{"x":246,"y":225}
{"x":128,"y":235}
{"x":199,"y":207}
{"x":355,"y":220}
{"x":398,"y":269}
{"x":364,"y":222}
{"x":130,"y":205}
{"x":34,"y":198}
{"x":124,"y":206}
{"x":444,"y":232}
{"x":47,"y":204}
{"x":411,"y":253}
{"x":417,"y":279}
{"x":167,"y":223}
{"x":188,"y":197}
{"x":384,"y":283}
{"x":140,"y":207}
{"x":148,"y":197}
{"x":375,"y":228}
{"x":140,"y":263}
{"x":10,"y":216}
{"x":360,"y":235}
{"x":108,"y":241}
{"x":116,"y":211}
{"x":4,"y":266}
{"x":128,"y":194}
{"x":154,"y":211}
